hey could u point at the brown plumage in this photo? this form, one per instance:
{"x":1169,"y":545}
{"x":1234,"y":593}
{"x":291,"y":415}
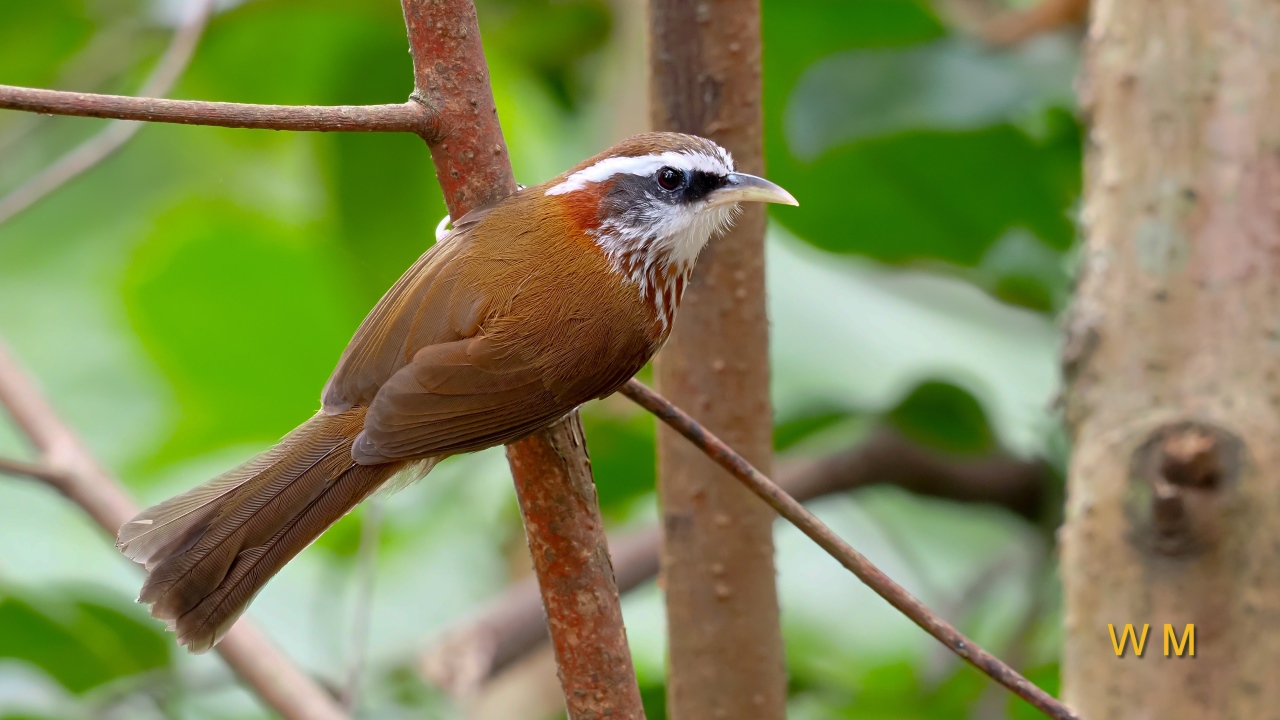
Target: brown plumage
{"x":527,"y":309}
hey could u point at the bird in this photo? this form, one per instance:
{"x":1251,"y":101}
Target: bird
{"x":526,"y":309}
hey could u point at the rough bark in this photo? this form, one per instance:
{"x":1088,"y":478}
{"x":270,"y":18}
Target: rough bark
{"x":717,"y":561}
{"x":551,"y":469}
{"x":571,"y":560}
{"x":1174,"y":493}
{"x":451,"y":78}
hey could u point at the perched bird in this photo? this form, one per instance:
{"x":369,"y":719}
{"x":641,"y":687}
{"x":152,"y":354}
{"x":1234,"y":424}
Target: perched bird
{"x":528,"y":308}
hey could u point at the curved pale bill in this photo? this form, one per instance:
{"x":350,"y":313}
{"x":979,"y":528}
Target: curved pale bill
{"x":749,"y":188}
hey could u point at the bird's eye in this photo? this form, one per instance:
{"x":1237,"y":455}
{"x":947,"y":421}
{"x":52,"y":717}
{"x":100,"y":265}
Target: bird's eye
{"x":670,"y":178}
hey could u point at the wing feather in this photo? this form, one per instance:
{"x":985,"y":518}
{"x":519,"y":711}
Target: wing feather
{"x":456,"y":397}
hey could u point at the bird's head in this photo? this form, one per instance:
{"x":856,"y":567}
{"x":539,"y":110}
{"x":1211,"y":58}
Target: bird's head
{"x":653,"y":201}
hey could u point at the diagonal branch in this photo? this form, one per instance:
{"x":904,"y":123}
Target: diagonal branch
{"x":795,"y":513}
{"x":68,"y":466}
{"x":101,"y":146}
{"x":511,"y":626}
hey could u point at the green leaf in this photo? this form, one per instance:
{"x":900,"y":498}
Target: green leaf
{"x":947,"y":84}
{"x":944,"y":416}
{"x":79,"y":641}
{"x":926,"y":195}
{"x":907,"y":146}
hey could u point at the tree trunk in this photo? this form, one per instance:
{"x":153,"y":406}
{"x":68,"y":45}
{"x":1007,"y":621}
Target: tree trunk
{"x":717,"y":557}
{"x":1174,"y":493}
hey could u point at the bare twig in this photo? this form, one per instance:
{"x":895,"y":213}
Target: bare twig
{"x":410,"y":117}
{"x":106,"y":54}
{"x":362,"y":611}
{"x":795,"y":513}
{"x":511,"y":626}
{"x":34,"y":471}
{"x":69,"y":467}
{"x":104,"y":144}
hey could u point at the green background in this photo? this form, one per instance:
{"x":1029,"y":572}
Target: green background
{"x":184,"y":302}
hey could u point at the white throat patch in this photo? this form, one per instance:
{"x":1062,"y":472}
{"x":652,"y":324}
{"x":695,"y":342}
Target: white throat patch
{"x":656,"y":245}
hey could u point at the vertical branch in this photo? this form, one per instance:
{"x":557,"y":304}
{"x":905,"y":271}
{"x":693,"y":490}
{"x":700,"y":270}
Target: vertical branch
{"x":551,"y":469}
{"x":717,"y":558}
{"x":1173,"y":401}
{"x":451,"y":78}
{"x":571,"y":559}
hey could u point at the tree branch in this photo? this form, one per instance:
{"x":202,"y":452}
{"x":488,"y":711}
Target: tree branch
{"x":101,"y":146}
{"x":550,"y":469}
{"x":795,"y":513}
{"x":411,"y":117}
{"x":511,"y":626}
{"x":33,"y":471}
{"x":68,"y":466}
{"x":571,"y":562}
{"x":450,"y":76}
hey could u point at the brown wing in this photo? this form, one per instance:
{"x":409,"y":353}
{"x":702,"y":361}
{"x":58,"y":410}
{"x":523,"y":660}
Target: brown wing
{"x":455,"y":397}
{"x":484,"y":340}
{"x":407,"y":317}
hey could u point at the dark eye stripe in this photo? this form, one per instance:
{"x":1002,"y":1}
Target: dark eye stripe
{"x":702,"y":184}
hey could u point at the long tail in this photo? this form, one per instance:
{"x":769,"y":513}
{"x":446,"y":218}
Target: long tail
{"x":210,"y":550}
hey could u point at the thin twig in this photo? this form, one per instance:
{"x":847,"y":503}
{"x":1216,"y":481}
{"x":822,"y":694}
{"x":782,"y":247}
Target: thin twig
{"x":410,"y":117}
{"x":362,"y":612}
{"x":512,"y":625}
{"x":101,"y":146}
{"x":795,"y":513}
{"x":79,"y":477}
{"x":106,"y":54}
{"x":35,"y":471}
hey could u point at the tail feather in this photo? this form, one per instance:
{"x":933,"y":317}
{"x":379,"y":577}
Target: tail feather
{"x":210,"y":550}
{"x":202,"y":626}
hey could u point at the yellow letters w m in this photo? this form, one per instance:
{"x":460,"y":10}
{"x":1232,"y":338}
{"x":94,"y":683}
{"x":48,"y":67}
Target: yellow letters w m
{"x":1127,"y":637}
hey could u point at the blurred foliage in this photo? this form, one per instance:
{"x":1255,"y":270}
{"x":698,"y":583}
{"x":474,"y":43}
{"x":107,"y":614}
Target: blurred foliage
{"x":944,"y":416}
{"x":908,"y":144}
{"x":184,"y":302}
{"x":80,"y":639}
